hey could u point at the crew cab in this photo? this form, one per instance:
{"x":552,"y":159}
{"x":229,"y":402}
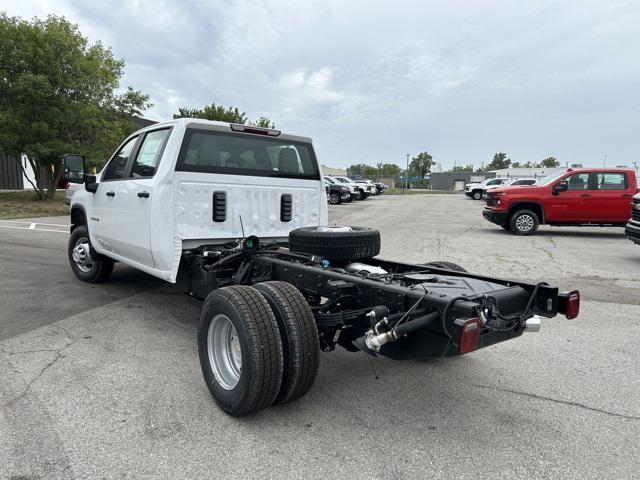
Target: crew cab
{"x":240,"y":213}
{"x":476,"y":190}
{"x":576,"y":197}
{"x":632,"y":229}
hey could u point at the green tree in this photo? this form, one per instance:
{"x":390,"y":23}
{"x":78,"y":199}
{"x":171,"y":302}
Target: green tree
{"x":58,"y":94}
{"x":367,"y":171}
{"x":420,"y":165}
{"x":516,"y":165}
{"x":462,"y":168}
{"x":222,"y":114}
{"x":499,"y":162}
{"x":389,"y":170}
{"x":550,"y":162}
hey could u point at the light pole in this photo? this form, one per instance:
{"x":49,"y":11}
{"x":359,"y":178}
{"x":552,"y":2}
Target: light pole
{"x":406,"y":176}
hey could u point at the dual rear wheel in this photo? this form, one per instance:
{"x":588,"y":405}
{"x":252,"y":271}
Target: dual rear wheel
{"x":258,"y":346}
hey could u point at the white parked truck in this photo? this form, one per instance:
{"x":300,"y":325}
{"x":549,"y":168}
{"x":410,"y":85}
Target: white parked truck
{"x":241,"y":213}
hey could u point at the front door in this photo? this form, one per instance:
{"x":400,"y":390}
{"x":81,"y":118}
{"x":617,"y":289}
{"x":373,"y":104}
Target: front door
{"x":134,"y":197}
{"x":103,"y":224}
{"x":574,"y":204}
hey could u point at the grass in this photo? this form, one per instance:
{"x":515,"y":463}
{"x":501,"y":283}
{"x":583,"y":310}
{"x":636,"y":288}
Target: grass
{"x":401,"y":191}
{"x":27,"y":205}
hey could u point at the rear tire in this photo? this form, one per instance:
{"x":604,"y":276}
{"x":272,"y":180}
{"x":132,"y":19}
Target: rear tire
{"x":239,"y":318}
{"x":446,"y":266}
{"x":524,"y":222}
{"x":88,"y":265}
{"x":334,"y":198}
{"x":358,"y":244}
{"x":300,"y":341}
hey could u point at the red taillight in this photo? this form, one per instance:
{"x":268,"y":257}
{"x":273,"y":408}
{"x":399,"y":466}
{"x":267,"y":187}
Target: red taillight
{"x":573,"y":304}
{"x":469,"y":334}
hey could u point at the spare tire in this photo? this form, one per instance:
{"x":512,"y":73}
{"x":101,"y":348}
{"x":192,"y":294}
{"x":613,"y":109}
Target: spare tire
{"x":336,"y":243}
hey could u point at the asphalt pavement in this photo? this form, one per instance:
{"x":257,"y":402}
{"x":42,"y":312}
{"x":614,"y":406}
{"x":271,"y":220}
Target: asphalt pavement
{"x":103,"y":381}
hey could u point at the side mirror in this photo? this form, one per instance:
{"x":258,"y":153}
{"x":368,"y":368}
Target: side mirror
{"x":561,"y":186}
{"x":74,"y":168}
{"x":90,"y":184}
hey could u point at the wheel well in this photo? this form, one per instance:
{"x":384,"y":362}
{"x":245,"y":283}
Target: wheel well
{"x":534,"y":207}
{"x":78,"y":218}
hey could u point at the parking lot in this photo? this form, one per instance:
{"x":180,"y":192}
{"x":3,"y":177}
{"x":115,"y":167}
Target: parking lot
{"x":103,"y":381}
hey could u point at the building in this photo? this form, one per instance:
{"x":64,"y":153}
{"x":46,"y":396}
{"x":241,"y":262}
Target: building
{"x":457,"y":180}
{"x":333,"y":171}
{"x":526,"y":172}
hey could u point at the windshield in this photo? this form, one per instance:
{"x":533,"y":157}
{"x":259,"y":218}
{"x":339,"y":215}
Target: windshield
{"x":549,"y":178}
{"x":212,"y":151}
{"x":343,"y":180}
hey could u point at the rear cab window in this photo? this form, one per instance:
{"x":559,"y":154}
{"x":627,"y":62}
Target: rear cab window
{"x":611,"y":181}
{"x":211,"y":151}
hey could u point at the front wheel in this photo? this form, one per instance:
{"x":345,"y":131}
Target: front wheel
{"x":334,"y":198}
{"x":524,"y":222}
{"x":86,"y":264}
{"x":240,"y":350}
{"x":477,"y":195}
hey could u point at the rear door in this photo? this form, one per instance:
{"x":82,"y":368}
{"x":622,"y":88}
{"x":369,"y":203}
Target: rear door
{"x":134,"y":196}
{"x":611,"y":197}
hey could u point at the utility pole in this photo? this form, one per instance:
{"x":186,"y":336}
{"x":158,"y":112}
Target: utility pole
{"x":406,"y":177}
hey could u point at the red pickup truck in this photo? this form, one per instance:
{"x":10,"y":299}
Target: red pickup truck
{"x":586,"y":196}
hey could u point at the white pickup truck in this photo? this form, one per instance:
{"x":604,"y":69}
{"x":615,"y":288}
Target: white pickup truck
{"x":240,"y":212}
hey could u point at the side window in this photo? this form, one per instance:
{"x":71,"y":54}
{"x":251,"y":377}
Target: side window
{"x":611,"y":181}
{"x":578,"y":181}
{"x":147,"y":159}
{"x":116,"y":168}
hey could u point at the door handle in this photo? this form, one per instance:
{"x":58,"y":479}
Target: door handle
{"x":111,"y":194}
{"x":143,"y":194}
{"x":585,"y":195}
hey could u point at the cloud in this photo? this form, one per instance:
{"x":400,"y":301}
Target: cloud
{"x":375,"y":80}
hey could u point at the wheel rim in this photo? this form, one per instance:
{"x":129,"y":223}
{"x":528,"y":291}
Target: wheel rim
{"x":333,"y":198}
{"x":225,"y":352}
{"x":524,"y":223}
{"x":82,"y":254}
{"x":477,"y":196}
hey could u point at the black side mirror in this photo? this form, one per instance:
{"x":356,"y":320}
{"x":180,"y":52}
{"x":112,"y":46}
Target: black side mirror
{"x":561,"y":186}
{"x":74,"y":168}
{"x":90,"y":184}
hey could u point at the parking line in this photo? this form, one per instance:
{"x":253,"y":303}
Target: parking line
{"x":32,"y":223}
{"x":36,"y":229}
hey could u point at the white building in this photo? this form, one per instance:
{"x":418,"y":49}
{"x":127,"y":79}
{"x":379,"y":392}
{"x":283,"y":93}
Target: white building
{"x":526,"y":172}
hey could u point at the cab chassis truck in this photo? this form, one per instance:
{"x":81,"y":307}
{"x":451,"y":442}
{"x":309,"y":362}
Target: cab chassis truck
{"x":277,"y":292}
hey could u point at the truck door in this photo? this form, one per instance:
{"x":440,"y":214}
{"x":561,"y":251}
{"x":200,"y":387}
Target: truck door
{"x":574,"y":204}
{"x":133,"y":199}
{"x":102,"y":211}
{"x":611,"y":197}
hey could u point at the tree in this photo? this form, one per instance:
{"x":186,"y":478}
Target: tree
{"x":462,"y":168}
{"x":499,"y":162}
{"x":58,"y":94}
{"x":550,"y":162}
{"x":222,"y":114}
{"x":389,"y":170}
{"x":363,"y":169}
{"x":420,"y":165}
{"x":516,"y":165}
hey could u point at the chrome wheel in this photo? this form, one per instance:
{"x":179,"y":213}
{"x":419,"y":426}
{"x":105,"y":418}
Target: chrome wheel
{"x":225,"y":353}
{"x":82,"y":255}
{"x":334,"y":199}
{"x":525,"y":222}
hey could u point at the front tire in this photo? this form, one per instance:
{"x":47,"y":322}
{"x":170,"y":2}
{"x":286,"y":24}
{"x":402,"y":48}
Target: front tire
{"x":88,"y":265}
{"x":477,"y":195}
{"x":300,"y":341}
{"x":240,"y":350}
{"x":524,"y":222}
{"x":334,"y":198}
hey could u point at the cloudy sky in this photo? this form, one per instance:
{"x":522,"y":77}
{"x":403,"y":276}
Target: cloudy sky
{"x":374,"y":80}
